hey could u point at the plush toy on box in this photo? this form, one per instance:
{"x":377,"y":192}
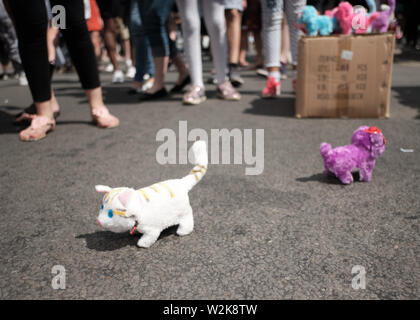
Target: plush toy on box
{"x":152,"y":209}
{"x":367,"y":144}
{"x":381,"y":24}
{"x":362,"y":20}
{"x":312,"y":23}
{"x":344,"y":15}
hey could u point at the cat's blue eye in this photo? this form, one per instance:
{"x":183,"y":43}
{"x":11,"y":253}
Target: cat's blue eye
{"x":110,"y":213}
{"x":102,"y":206}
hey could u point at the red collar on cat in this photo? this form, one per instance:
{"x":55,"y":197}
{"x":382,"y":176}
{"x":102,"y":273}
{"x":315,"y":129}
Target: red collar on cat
{"x":134,"y":228}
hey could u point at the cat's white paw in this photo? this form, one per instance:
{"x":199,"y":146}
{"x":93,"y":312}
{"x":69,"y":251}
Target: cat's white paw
{"x":148,"y":239}
{"x":186,"y":225}
{"x":143,"y":243}
{"x":185,"y":228}
{"x":183,"y":232}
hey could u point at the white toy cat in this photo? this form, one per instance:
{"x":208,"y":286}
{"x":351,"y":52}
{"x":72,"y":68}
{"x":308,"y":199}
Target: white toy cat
{"x":155,"y":208}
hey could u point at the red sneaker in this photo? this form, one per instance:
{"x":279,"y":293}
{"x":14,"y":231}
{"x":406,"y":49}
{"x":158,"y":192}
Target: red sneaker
{"x":272,"y":88}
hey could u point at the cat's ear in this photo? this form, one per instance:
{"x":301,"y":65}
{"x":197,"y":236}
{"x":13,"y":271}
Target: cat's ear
{"x":124,"y":197}
{"x":102,"y":189}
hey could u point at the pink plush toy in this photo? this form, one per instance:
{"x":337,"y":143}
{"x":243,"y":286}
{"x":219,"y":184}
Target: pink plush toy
{"x":367,"y":144}
{"x":344,"y":15}
{"x":362,"y":20}
{"x":381,"y":24}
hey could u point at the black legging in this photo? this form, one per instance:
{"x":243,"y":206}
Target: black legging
{"x":31,"y":26}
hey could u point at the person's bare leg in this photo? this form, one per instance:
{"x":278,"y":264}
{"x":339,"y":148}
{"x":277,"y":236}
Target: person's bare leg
{"x":44,"y":109}
{"x":95,"y":98}
{"x":161,"y":67}
{"x":52,"y":38}
{"x":99,"y":111}
{"x":243,"y":49}
{"x":259,"y":59}
{"x":127,"y":50}
{"x":181,"y":67}
{"x":233,"y":31}
{"x":110,"y":42}
{"x":172,"y":27}
{"x":96,"y":41}
{"x":285,"y":41}
{"x":133,"y":55}
{"x":55,"y":107}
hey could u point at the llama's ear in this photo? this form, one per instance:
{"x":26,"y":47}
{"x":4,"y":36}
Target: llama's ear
{"x":124,"y":197}
{"x":102,"y":189}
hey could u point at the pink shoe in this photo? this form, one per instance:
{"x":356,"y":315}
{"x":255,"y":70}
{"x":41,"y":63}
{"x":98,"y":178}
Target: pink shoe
{"x":194,"y":95}
{"x":226,"y":91}
{"x":272,"y":88}
{"x":103,"y":119}
{"x":40,"y":126}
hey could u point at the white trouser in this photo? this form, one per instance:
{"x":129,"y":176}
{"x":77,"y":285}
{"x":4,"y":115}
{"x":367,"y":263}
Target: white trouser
{"x":272,"y":15}
{"x":214,"y":17}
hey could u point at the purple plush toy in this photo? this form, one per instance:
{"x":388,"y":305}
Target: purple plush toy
{"x":367,"y":144}
{"x":381,"y":24}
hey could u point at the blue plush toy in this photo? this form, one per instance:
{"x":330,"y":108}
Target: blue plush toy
{"x":315,"y":23}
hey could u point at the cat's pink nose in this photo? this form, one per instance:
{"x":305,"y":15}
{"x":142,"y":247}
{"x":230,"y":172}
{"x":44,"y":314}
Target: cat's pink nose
{"x":99,"y":223}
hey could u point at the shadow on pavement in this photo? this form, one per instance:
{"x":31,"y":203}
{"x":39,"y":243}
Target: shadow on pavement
{"x":87,"y":122}
{"x":324,"y":178}
{"x":7,"y":119}
{"x":109,"y":241}
{"x":281,"y":107}
{"x":409,"y":96}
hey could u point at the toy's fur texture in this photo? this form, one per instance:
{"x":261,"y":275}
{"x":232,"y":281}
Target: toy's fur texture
{"x":345,"y":15}
{"x":331,"y":14}
{"x":381,"y":24}
{"x":315,"y":23}
{"x":152,"y":209}
{"x":367,"y":144}
{"x":362,"y":20}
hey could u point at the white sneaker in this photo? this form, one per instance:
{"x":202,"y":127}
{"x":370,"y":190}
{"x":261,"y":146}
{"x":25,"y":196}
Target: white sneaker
{"x":147,"y":85}
{"x":22,"y":79}
{"x":109,"y":68}
{"x":118,"y":77}
{"x":131,"y":72}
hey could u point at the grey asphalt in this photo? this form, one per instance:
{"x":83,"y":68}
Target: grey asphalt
{"x":289,"y":233}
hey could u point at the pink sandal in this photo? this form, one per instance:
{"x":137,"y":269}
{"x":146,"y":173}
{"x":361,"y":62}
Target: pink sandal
{"x":40,"y":126}
{"x":103,"y":119}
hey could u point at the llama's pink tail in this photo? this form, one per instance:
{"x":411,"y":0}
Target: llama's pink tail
{"x":324,"y":149}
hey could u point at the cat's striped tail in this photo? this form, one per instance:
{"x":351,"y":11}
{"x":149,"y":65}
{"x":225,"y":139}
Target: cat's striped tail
{"x":199,"y":153}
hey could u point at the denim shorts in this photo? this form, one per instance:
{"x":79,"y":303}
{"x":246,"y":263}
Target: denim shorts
{"x":233,"y":4}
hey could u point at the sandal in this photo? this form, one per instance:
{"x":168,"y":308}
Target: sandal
{"x":28,"y":114}
{"x":40,"y":126}
{"x":103,"y":119}
{"x":226,"y":91}
{"x":195,"y":95}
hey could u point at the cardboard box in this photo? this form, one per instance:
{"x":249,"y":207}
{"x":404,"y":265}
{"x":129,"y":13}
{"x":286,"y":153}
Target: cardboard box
{"x":345,"y":76}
